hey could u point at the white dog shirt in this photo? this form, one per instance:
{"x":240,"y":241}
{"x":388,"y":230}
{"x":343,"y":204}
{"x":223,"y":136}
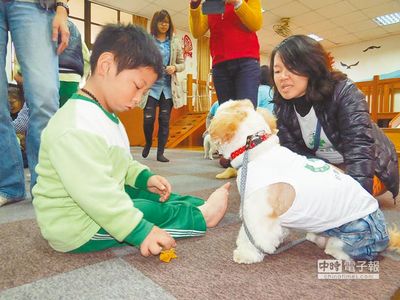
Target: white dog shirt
{"x":325,"y":198}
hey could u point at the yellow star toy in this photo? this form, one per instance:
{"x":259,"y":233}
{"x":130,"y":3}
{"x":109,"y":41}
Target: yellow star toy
{"x":167,"y":255}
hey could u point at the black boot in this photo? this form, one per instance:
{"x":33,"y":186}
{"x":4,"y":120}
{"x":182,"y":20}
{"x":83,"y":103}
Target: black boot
{"x":162,"y":158}
{"x":162,"y":140}
{"x":146,"y":150}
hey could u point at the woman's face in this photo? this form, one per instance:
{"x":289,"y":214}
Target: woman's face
{"x":289,"y":85}
{"x":163,"y":26}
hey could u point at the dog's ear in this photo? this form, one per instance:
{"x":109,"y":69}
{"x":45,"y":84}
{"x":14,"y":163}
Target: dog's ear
{"x":269,"y":119}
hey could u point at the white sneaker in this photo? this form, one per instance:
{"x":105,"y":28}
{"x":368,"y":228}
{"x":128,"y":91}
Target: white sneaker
{"x":3,"y":201}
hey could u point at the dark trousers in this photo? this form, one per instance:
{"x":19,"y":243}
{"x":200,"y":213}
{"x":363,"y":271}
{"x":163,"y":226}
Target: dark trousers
{"x":237,"y":79}
{"x":164,"y":115}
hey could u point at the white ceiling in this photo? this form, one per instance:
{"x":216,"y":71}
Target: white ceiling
{"x":339,"y":22}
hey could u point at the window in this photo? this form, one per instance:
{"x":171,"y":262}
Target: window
{"x":125,"y":18}
{"x":102,"y":15}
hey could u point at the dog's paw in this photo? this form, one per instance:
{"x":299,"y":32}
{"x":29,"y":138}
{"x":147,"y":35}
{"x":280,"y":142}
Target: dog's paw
{"x":242,"y":256}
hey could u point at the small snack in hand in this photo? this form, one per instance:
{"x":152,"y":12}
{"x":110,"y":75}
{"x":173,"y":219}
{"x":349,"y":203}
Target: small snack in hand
{"x":167,"y":255}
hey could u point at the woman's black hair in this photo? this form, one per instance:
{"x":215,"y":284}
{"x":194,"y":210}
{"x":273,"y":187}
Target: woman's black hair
{"x":304,"y":56}
{"x":158,"y":17}
{"x":131,"y":45}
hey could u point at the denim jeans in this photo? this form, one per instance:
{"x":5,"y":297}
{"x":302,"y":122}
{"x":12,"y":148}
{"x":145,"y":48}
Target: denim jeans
{"x":364,"y":238}
{"x":237,"y":79}
{"x":31,"y":32}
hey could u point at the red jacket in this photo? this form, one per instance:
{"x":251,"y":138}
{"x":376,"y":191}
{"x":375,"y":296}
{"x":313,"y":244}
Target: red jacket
{"x":230,"y":39}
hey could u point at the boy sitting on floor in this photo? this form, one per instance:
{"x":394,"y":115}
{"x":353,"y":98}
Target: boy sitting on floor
{"x":90,"y":194}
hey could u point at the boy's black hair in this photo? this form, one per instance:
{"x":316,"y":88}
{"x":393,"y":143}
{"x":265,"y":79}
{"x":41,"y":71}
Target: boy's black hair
{"x":304,"y":56}
{"x":265,"y":76}
{"x":131,"y":45}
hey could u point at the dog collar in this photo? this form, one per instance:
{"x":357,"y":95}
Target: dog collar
{"x":251,"y":142}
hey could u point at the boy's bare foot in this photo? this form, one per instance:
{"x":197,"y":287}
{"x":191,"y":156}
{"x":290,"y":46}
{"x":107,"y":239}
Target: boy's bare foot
{"x":215,"y":207}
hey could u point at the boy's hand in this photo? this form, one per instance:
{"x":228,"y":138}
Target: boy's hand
{"x":159,"y":185}
{"x":156,"y":241}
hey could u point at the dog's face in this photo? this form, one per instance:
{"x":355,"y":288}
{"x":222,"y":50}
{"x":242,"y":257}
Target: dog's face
{"x":235,"y":120}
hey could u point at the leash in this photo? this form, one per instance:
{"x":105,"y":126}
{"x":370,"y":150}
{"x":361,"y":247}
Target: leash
{"x":243,"y":177}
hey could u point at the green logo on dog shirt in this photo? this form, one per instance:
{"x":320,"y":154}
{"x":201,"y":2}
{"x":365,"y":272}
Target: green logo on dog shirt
{"x":317,"y":165}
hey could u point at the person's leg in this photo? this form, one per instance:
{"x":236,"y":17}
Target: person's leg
{"x":247,"y":79}
{"x":102,"y":240}
{"x":182,"y":213}
{"x":12,"y":184}
{"x":67,"y":89}
{"x":164,"y":116}
{"x":223,"y":79}
{"x":180,"y":216}
{"x":31,"y":31}
{"x":149,"y":115}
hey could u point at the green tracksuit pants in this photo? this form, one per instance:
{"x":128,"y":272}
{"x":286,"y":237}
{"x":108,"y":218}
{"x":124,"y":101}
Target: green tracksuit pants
{"x":179,"y":216}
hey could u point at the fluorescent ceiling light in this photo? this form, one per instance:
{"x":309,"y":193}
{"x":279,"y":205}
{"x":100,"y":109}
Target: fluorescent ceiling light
{"x":387,"y":19}
{"x":315,"y":37}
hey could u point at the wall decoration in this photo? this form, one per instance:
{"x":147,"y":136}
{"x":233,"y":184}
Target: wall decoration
{"x":371,"y":48}
{"x":349,"y":66}
{"x":282,"y":28}
{"x":187,"y":46}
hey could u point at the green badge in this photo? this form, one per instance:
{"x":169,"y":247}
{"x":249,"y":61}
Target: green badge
{"x":317,"y":165}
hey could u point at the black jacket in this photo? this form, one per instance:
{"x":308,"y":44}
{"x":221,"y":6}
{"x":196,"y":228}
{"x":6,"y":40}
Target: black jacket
{"x":346,"y":121}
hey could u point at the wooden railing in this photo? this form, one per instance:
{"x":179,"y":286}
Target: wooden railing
{"x":200,"y":98}
{"x":380,"y":95}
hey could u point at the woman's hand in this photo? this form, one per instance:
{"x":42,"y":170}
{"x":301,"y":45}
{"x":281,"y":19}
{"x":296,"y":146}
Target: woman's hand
{"x":170,"y":70}
{"x":159,"y":185}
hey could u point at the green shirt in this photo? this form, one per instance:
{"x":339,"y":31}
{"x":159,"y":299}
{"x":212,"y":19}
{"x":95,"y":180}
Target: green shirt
{"x":84,"y":163}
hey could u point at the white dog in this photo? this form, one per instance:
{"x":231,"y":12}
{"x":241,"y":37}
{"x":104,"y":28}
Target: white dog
{"x":209,"y":146}
{"x":286,"y":190}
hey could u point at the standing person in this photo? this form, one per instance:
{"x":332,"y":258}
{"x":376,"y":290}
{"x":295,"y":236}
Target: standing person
{"x":90,"y":194}
{"x":264,"y":98}
{"x":35,"y":32}
{"x":322,"y":113}
{"x":73,"y":67}
{"x":166,"y":92}
{"x":234,"y":47}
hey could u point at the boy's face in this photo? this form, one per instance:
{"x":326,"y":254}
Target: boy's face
{"x":125,"y":89}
